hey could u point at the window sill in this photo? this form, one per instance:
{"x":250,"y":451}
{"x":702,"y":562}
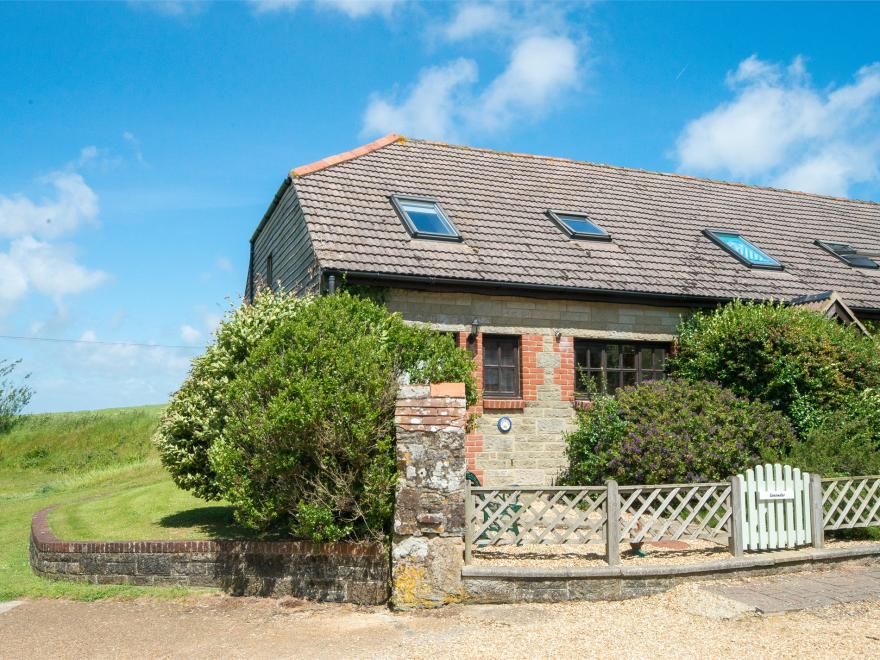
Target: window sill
{"x":503,"y":404}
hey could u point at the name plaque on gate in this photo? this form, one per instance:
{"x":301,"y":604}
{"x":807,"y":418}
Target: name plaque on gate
{"x":775,"y":495}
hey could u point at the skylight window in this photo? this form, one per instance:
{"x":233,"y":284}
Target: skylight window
{"x":424,"y":218}
{"x":848,"y":254}
{"x":734,"y":243}
{"x":578,"y":225}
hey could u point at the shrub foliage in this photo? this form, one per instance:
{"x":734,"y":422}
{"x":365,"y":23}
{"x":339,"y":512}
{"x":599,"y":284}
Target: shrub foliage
{"x":673,"y":431}
{"x":791,"y":358}
{"x":296,"y":425}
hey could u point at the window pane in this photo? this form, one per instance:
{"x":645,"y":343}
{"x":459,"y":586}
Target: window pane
{"x":579,"y":225}
{"x":490,"y":378}
{"x":647,"y":359}
{"x":595,"y":356}
{"x":744,"y":249}
{"x":490,"y":353}
{"x":659,"y":358}
{"x":613,"y":353}
{"x":426,"y":218}
{"x":629,"y":377}
{"x":508,"y":380}
{"x":507,"y":355}
{"x":628,"y":355}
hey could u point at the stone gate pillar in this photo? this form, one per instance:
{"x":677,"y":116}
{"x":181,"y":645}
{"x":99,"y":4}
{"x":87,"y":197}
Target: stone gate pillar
{"x":428,"y":544}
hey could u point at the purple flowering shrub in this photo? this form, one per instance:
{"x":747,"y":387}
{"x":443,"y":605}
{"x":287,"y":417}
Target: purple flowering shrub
{"x":671,"y":431}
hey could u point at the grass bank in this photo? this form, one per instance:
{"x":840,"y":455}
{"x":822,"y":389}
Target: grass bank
{"x":102,"y":471}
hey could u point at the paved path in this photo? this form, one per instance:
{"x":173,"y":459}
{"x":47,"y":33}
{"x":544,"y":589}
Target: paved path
{"x":805,"y":591}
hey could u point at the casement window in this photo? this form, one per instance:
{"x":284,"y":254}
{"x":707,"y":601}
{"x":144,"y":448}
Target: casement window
{"x":423,"y":217}
{"x":616,"y":364}
{"x":501,"y":367}
{"x":270,"y":276}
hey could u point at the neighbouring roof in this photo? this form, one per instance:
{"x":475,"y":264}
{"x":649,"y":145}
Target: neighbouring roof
{"x":499,"y":202}
{"x":831,"y":305}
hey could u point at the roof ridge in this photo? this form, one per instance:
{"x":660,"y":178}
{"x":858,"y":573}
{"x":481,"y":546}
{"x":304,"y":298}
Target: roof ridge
{"x":329,"y":161}
{"x":689,"y":177}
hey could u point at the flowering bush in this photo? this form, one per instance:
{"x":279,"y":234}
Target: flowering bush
{"x":671,"y":431}
{"x":791,"y":358}
{"x":289,"y":416}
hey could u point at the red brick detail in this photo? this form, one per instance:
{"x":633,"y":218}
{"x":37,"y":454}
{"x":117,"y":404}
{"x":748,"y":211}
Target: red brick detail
{"x":473,"y":447}
{"x":448,"y":389}
{"x":531,"y":374}
{"x":503,"y":404}
{"x":302,"y":170}
{"x":44,"y":540}
{"x":563,"y":375}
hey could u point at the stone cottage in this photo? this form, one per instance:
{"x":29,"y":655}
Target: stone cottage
{"x":554,"y":271}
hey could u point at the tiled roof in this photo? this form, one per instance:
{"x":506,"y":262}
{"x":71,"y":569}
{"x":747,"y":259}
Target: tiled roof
{"x":498,"y":201}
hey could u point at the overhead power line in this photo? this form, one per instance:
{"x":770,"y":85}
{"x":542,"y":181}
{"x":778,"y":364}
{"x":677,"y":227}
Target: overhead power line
{"x":97,"y":341}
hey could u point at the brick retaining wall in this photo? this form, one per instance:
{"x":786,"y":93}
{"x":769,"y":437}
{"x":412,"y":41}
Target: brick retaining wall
{"x":341,"y":572}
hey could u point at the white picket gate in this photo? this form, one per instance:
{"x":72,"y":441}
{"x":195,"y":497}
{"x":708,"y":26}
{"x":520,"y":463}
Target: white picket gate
{"x":775,"y":505}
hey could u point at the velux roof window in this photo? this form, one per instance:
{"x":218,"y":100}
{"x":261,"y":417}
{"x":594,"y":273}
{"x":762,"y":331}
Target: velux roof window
{"x":424,"y":218}
{"x":738,"y":246}
{"x":578,"y":225}
{"x":847,"y":254}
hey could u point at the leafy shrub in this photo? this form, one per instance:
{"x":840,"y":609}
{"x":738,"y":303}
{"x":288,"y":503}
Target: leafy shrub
{"x":671,"y":431}
{"x":846,"y":442}
{"x":13,"y":398}
{"x":289,"y":413}
{"x":196,"y":415}
{"x":791,"y":358}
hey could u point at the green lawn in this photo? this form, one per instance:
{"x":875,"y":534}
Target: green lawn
{"x":102,"y":470}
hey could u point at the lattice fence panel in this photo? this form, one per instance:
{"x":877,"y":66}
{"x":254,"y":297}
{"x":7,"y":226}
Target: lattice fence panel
{"x":672,"y":512}
{"x":537,"y":516}
{"x":850,"y":502}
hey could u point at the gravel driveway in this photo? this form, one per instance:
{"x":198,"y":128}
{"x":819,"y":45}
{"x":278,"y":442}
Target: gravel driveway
{"x":688,"y":621}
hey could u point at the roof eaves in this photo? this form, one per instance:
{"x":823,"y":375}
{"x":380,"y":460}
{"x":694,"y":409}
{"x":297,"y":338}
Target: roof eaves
{"x":329,"y":161}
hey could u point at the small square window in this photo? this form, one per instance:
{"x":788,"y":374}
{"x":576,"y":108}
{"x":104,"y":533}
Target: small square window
{"x":424,"y":218}
{"x":578,"y":225}
{"x":848,"y":255}
{"x":738,"y":246}
{"x":500,"y":367}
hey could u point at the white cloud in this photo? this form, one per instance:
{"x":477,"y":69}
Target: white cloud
{"x":189,"y":334}
{"x":172,"y":8}
{"x":443,"y":103}
{"x":432,"y":107}
{"x":475,"y":19}
{"x":30,"y":261}
{"x":75,"y":203}
{"x":134,"y":144}
{"x":122,"y":359}
{"x":224,"y":264}
{"x":352,"y":8}
{"x":779,"y":129}
{"x":52,"y":269}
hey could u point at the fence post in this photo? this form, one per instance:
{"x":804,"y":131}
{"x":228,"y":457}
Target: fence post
{"x":612,"y":524}
{"x":468,"y":521}
{"x":736,"y":517}
{"x":817,"y":511}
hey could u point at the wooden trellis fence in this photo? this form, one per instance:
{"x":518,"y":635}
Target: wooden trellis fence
{"x":675,"y":511}
{"x":849,"y":502}
{"x":768,"y":507}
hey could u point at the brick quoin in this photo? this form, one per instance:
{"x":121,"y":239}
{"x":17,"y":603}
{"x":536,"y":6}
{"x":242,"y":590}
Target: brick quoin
{"x":532,"y":374}
{"x":563,"y":375}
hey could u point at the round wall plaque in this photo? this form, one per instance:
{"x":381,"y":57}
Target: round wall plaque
{"x":504,"y":424}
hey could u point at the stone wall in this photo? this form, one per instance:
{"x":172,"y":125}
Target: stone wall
{"x":340,"y":572}
{"x":428,"y":544}
{"x":532,"y":452}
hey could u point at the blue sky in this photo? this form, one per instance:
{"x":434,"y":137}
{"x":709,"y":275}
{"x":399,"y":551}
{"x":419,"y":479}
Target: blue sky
{"x":141,"y":142}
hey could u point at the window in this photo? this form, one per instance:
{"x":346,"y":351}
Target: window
{"x":500,"y":367}
{"x":578,"y":225}
{"x":848,"y":254}
{"x":621,"y":364}
{"x":424,"y":218}
{"x":270,"y":276}
{"x":742,"y":249}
